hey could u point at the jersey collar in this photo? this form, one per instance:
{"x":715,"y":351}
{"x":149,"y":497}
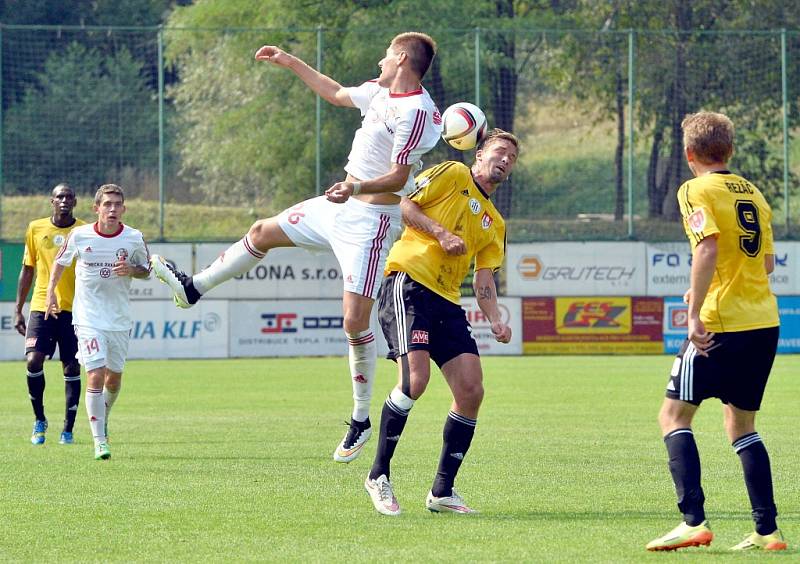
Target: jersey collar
{"x":405,"y":94}
{"x":96,"y":230}
{"x":478,"y":186}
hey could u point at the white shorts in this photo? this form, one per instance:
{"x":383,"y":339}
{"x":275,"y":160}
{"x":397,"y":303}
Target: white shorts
{"x":98,"y":348}
{"x":359,"y":234}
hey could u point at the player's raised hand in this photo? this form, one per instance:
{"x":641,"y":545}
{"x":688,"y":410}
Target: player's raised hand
{"x":501,"y":331}
{"x":273,"y":54}
{"x":451,"y":244}
{"x":339,"y":192}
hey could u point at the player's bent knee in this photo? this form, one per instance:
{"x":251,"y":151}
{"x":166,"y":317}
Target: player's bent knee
{"x":266,"y":234}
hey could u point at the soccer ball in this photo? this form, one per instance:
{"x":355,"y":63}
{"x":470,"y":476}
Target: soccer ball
{"x":463,"y":126}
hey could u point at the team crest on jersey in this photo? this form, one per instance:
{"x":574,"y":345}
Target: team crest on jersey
{"x":486,"y":220}
{"x":419,"y":337}
{"x":437,"y":118}
{"x":122,"y":254}
{"x":697,"y":220}
{"x":58,"y":240}
{"x":474,"y":206}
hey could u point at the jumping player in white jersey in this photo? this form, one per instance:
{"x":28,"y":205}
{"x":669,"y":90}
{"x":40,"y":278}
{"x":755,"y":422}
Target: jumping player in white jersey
{"x":400,"y":124}
{"x":109,"y":254}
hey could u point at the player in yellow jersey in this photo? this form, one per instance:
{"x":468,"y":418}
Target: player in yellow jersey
{"x":732,"y":337}
{"x":43,"y":239}
{"x":450,"y":222}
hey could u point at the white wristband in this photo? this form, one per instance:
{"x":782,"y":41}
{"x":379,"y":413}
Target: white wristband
{"x":356,"y":188}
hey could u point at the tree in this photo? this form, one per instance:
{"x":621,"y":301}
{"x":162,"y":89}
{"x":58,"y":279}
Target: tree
{"x":90,"y":117}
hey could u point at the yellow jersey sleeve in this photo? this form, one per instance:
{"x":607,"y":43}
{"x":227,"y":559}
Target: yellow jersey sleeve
{"x":428,"y":193}
{"x":493,"y":254}
{"x":29,"y":256}
{"x":769,"y":243}
{"x":697,"y":211}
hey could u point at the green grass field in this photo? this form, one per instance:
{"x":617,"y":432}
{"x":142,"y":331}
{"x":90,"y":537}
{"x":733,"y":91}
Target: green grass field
{"x":231,"y":461}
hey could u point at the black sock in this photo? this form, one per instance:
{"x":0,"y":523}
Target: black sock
{"x":758,"y":478}
{"x":393,"y":421}
{"x":457,"y":436}
{"x":684,"y":465}
{"x":36,"y":393}
{"x":72,"y":393}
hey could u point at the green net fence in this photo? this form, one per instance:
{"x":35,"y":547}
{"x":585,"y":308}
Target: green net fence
{"x":205,"y":139}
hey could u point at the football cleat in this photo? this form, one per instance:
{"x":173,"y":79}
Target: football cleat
{"x":754,"y":541}
{"x":449,"y":504}
{"x":66,"y":438}
{"x":102,"y":452}
{"x":357,"y":436}
{"x":682,"y":536}
{"x":39,"y":428}
{"x":183,"y":290}
{"x":380,"y":492}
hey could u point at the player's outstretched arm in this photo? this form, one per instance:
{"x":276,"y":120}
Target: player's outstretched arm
{"x":392,"y":181}
{"x":414,"y":217}
{"x":51,"y":304}
{"x":486,"y":294}
{"x":24,"y":284}
{"x":322,"y":84}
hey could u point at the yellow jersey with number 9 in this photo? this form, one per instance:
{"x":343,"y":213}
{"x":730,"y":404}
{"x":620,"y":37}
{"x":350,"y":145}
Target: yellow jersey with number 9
{"x":731,"y":208}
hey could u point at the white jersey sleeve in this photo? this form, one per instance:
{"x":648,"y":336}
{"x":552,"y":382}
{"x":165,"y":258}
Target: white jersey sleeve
{"x":68,"y":251}
{"x":410,"y":141}
{"x":362,"y":95}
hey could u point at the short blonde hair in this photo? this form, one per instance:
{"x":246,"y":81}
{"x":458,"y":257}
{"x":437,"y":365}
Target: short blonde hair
{"x":498,"y":134}
{"x":108,"y":189}
{"x":709,"y":136}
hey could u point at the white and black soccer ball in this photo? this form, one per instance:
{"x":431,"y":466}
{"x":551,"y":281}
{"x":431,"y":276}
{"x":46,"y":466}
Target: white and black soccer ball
{"x":463,"y":126}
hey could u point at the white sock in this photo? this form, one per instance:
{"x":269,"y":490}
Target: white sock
{"x":96,"y":410}
{"x":363,"y":357}
{"x":109,"y":398}
{"x":237,"y":259}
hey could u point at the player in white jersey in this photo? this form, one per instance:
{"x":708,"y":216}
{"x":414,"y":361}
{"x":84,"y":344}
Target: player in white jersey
{"x":400,"y":123}
{"x":108,"y":255}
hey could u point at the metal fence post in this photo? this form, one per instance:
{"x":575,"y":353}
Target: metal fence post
{"x":161,"y":172}
{"x":318,"y":158}
{"x":631,"y":92}
{"x":784,"y":90}
{"x":478,"y":67}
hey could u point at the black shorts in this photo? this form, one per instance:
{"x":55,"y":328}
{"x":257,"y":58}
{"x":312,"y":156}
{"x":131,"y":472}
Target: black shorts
{"x":414,"y":318}
{"x":44,"y":334}
{"x":736,"y":369}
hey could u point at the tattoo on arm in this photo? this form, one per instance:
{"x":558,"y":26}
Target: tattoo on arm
{"x":485,"y":293}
